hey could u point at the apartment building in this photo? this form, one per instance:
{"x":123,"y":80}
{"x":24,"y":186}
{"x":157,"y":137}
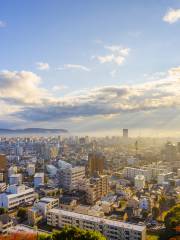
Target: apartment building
{"x":5,"y":223}
{"x":111,"y":229}
{"x":95,"y":188}
{"x":71,"y":176}
{"x":15,"y":179}
{"x":16,"y":196}
{"x":38,"y":179}
{"x":41,"y":208}
{"x":150,"y":173}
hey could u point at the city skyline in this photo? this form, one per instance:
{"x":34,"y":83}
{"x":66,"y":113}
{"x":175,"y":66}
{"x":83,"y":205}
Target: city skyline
{"x":91,"y":66}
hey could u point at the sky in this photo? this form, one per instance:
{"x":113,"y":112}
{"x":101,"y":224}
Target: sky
{"x":91,"y":66}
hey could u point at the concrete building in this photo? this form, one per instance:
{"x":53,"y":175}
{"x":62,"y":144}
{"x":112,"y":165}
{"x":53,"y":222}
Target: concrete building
{"x":2,"y":187}
{"x":45,"y":204}
{"x":4,"y":166}
{"x":164,"y":177}
{"x":15,"y":179}
{"x":96,"y":188}
{"x":71,"y":176}
{"x":5,"y":223}
{"x":41,"y":208}
{"x":125,"y":133}
{"x":12,"y":170}
{"x":31,"y":169}
{"x":139,"y":182}
{"x":38,"y":179}
{"x":149,"y":172}
{"x":16,"y":196}
{"x":95,"y":163}
{"x":110,"y":229}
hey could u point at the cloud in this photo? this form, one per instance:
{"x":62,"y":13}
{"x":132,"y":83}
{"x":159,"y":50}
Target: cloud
{"x":75,"y":67}
{"x":172,"y":16}
{"x":59,"y":88}
{"x":42,"y":66}
{"x":23,"y":99}
{"x":2,"y":24}
{"x":21,"y":88}
{"x":117,"y":55}
{"x":109,"y":100}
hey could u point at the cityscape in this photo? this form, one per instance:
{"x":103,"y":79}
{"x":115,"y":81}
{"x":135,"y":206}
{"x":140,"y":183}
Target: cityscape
{"x":89,"y":120}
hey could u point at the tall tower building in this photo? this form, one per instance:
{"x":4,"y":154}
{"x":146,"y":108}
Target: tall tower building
{"x":125,"y":133}
{"x":4,"y":166}
{"x":95,"y":163}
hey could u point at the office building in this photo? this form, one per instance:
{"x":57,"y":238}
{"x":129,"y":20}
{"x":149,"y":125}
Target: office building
{"x":95,"y":163}
{"x":109,"y":228}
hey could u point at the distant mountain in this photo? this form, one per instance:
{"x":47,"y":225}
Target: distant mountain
{"x":32,"y":130}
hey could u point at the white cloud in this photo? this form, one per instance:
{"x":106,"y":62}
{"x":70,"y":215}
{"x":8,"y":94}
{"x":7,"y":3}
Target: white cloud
{"x":117,"y":55}
{"x":21,"y":87}
{"x":172,"y":16}
{"x":2,"y":24}
{"x":42,"y":66}
{"x":75,"y":67}
{"x":59,"y":88}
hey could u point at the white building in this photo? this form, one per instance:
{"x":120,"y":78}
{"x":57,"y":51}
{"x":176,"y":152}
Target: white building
{"x":71,"y":176}
{"x":164,"y":177}
{"x":150,"y":173}
{"x":45,"y":204}
{"x":31,"y":169}
{"x":16,"y":195}
{"x":110,"y":229}
{"x":139,"y":181}
{"x":38,"y":179}
{"x":51,"y":169}
{"x":15,"y":179}
{"x":12,"y":170}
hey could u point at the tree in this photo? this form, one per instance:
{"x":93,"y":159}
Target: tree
{"x":72,"y":233}
{"x":155,"y":212}
{"x":22,"y":214}
{"x":3,"y":210}
{"x":172,"y":218}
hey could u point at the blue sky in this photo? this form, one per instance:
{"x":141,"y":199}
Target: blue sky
{"x":66,"y":55}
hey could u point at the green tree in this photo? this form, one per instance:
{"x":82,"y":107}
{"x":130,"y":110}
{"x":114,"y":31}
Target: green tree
{"x":22,"y":213}
{"x":72,"y":233}
{"x":172,"y":218}
{"x":3,"y":210}
{"x":155,"y":212}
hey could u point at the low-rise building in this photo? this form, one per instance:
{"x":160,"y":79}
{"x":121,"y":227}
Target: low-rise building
{"x":110,"y":229}
{"x":5,"y":223}
{"x":139,"y":182}
{"x":16,"y":196}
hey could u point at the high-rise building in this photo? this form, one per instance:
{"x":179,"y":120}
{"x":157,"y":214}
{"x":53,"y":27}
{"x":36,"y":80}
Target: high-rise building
{"x":71,"y":176}
{"x":4,"y":166}
{"x":125,"y":133}
{"x":95,"y":163}
{"x":170,"y":152}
